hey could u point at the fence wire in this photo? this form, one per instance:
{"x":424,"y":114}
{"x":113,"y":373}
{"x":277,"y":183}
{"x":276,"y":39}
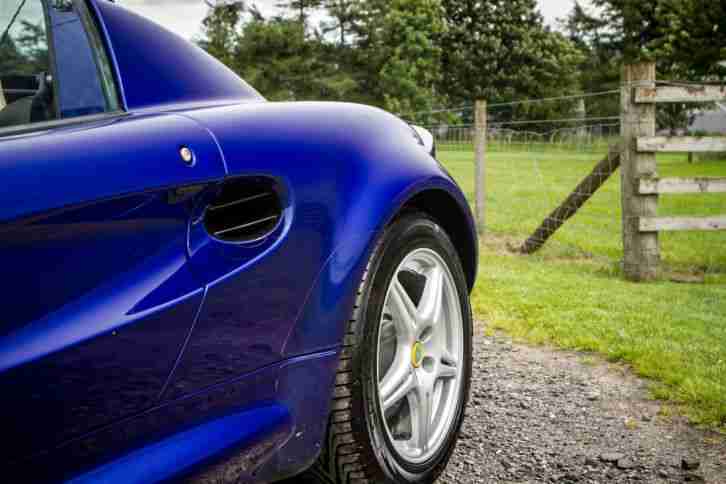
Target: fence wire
{"x":543,"y":172}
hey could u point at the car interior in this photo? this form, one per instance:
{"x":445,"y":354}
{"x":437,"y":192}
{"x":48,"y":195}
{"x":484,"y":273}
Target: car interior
{"x":26,"y":99}
{"x":26,"y":86}
{"x":48,"y":67}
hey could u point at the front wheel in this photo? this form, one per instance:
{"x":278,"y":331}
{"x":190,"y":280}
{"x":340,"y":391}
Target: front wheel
{"x":403,"y":379}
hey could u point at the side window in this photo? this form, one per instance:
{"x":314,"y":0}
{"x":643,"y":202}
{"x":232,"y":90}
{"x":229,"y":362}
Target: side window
{"x":26,"y":93}
{"x":52,"y":63}
{"x":79,"y":73}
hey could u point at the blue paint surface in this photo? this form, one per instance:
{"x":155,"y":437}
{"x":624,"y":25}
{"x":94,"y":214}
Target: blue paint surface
{"x":158,"y":68}
{"x":134,"y":346}
{"x":177,"y":454}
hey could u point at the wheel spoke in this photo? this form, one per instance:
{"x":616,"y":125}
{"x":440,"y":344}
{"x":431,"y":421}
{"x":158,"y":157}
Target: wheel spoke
{"x":421,"y":417}
{"x":397,"y":383}
{"x":388,"y":330}
{"x":447,"y":370}
{"x":402,"y":309}
{"x":448,"y":359}
{"x":431,"y":305}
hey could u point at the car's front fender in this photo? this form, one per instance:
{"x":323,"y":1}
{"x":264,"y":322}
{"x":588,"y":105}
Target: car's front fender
{"x":350,"y":170}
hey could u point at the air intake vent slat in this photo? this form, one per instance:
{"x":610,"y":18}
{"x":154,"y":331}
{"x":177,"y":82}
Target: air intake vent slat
{"x":246,"y":226}
{"x":237,"y":202}
{"x":246,"y":209}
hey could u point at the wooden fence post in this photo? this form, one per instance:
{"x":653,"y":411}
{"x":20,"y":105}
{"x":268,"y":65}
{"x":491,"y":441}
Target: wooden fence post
{"x":480,"y":145}
{"x":641,"y":253}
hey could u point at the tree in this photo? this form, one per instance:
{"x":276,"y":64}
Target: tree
{"x":398,"y":53}
{"x":220,"y":28}
{"x":602,"y":59}
{"x":25,"y":53}
{"x":275,"y":55}
{"x":686,"y":38}
{"x":701,"y":43}
{"x":404,"y":55}
{"x":342,"y":13}
{"x":500,"y":50}
{"x":301,"y":7}
{"x":10,"y":58}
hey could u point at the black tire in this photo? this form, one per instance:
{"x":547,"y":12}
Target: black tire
{"x":357,"y":449}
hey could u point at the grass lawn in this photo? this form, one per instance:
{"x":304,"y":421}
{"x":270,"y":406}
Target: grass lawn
{"x":571,"y":294}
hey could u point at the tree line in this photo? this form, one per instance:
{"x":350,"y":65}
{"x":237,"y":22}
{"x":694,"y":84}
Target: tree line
{"x":412,"y":56}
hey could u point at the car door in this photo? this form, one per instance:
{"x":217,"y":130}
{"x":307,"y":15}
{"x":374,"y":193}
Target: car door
{"x":95,"y":204}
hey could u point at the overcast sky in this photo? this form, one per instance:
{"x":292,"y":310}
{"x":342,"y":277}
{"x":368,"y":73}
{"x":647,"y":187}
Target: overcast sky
{"x":184,"y":16}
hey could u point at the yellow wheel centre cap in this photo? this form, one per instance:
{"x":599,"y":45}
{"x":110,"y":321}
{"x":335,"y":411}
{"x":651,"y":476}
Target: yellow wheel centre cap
{"x":417,"y":355}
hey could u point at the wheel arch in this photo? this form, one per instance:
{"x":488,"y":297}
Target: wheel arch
{"x":456,"y":221}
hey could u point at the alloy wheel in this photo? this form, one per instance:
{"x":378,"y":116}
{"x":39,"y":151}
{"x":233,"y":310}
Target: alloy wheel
{"x":420,"y":355}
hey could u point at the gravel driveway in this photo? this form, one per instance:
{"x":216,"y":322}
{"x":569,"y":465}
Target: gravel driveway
{"x":539,"y":415}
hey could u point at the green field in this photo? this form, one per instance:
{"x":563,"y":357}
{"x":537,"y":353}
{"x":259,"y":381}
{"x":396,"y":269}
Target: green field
{"x":572,"y":294}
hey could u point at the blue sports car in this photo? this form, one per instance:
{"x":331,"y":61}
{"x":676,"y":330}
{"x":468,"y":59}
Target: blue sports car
{"x":202,"y":286}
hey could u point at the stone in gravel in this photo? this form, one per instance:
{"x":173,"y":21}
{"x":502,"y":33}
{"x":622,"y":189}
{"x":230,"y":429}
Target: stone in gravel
{"x":694,"y":478}
{"x":690,"y":464}
{"x":593,"y":396}
{"x":625,"y":464}
{"x":572,"y":477}
{"x":611,"y":457}
{"x":591,"y":462}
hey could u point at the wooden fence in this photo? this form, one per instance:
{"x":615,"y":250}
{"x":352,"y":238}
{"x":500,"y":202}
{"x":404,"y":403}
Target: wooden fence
{"x":636,"y":157}
{"x":641,"y":186}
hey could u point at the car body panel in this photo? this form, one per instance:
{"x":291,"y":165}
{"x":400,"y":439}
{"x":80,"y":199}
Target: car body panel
{"x":156,"y":68}
{"x":102,"y":298}
{"x":349,"y":169}
{"x":171,"y":456}
{"x":203,"y":360}
{"x":264,"y":415}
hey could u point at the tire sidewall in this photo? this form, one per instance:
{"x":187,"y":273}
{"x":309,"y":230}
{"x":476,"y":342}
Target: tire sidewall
{"x":407,"y":234}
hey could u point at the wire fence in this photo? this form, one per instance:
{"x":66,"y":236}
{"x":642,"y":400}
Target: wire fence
{"x":596,"y":136}
{"x":551,"y":164}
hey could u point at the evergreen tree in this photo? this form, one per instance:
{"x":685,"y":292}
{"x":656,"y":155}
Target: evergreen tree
{"x":26,"y":52}
{"x":602,"y":59}
{"x":500,"y":50}
{"x":398,"y":54}
{"x":221,"y":31}
{"x":301,"y":7}
{"x":10,"y":58}
{"x":275,"y":55}
{"x":686,"y":39}
{"x":342,"y":14}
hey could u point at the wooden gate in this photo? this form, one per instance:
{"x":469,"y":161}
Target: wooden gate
{"x":641,"y":185}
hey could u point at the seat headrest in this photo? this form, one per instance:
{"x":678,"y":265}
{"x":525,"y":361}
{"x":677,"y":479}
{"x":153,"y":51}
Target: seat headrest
{"x":17,"y":113}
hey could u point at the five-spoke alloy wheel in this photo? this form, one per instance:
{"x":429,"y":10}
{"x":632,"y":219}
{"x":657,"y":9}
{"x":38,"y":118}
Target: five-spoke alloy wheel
{"x":403,"y":378}
{"x":419,"y":353}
